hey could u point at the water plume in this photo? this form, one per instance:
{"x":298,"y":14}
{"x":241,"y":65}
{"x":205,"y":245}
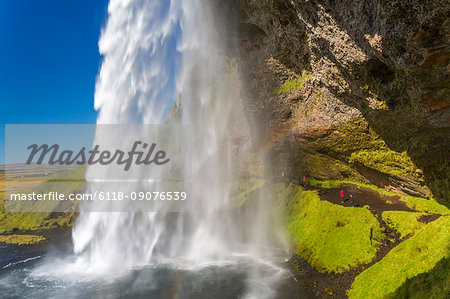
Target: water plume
{"x":164,"y":61}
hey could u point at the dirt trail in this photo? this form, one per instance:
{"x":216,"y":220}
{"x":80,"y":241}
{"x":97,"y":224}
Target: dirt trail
{"x":364,"y":196}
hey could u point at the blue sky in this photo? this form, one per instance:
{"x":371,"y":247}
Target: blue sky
{"x":49,"y":61}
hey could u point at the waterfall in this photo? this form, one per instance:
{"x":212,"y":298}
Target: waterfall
{"x":153,"y":51}
{"x":169,"y":77}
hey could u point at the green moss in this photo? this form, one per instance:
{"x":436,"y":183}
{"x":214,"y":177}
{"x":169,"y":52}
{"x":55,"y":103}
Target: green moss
{"x":433,"y":284}
{"x":326,"y":184}
{"x":293,"y":84}
{"x":424,"y":205}
{"x":427,"y":146}
{"x":323,"y":166}
{"x":349,"y":137}
{"x":21,"y":239}
{"x":331,"y":237}
{"x":387,"y":161}
{"x":405,"y":223}
{"x":417,"y":255}
{"x":328,"y":291}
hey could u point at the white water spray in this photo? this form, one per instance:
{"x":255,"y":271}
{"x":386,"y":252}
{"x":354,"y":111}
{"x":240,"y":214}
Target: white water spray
{"x":153,"y":51}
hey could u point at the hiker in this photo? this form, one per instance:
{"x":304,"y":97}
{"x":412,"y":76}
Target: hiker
{"x":342,"y":196}
{"x":352,"y":201}
{"x":304,"y":181}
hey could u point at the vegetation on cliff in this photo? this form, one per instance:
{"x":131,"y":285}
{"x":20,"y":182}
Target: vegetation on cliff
{"x":338,"y":239}
{"x":21,"y":239}
{"x":330,"y":237}
{"x":433,"y":284}
{"x":293,"y":84}
{"x":414,"y":256}
{"x":406,"y":223}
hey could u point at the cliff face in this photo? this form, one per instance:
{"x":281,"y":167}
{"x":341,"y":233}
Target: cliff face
{"x":351,"y":89}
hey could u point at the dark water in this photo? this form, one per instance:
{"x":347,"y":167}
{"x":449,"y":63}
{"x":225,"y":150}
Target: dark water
{"x":42,"y":271}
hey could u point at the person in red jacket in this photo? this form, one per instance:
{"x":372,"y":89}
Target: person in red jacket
{"x":342,"y":196}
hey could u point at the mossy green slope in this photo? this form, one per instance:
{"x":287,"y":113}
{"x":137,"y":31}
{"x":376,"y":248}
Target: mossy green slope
{"x":331,"y":237}
{"x":387,"y":161}
{"x":405,"y":223}
{"x":434,"y":284}
{"x":417,"y":255}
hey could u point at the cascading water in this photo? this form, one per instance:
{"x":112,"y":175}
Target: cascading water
{"x":142,"y":44}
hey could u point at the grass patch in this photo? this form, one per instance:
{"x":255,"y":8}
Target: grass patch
{"x":405,"y":223}
{"x":424,"y":205}
{"x":21,"y":239}
{"x":417,"y":255}
{"x":25,"y":221}
{"x":331,"y":237}
{"x":326,"y":184}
